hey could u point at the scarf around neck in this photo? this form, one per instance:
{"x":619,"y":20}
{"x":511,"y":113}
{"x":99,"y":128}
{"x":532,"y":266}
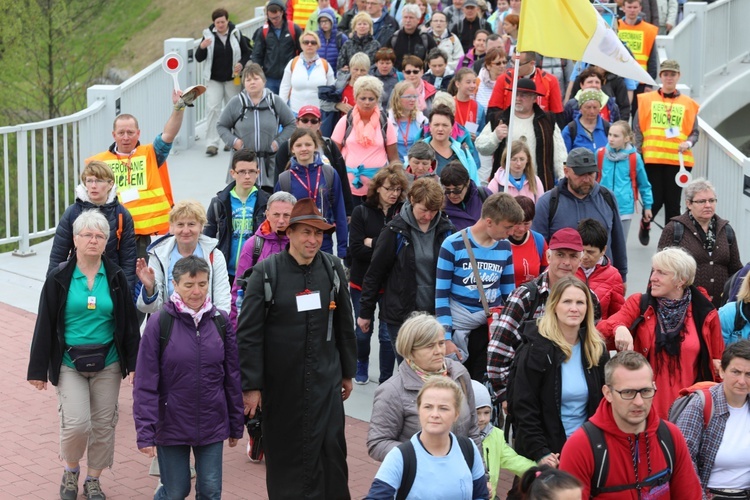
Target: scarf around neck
{"x":617,"y":155}
{"x":365,"y":132}
{"x":670,"y":316}
{"x":707,"y":237}
{"x":183,"y":308}
{"x":423,"y":374}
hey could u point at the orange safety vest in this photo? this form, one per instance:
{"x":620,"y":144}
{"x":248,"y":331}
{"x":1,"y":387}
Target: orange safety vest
{"x":140,"y":172}
{"x":656,"y":114}
{"x":640,"y":39}
{"x":302,"y":10}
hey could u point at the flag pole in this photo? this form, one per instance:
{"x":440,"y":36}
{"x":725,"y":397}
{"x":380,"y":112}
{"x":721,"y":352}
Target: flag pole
{"x":509,"y":140}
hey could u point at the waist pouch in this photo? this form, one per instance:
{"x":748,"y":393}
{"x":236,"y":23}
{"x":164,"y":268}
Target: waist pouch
{"x":89,"y":357}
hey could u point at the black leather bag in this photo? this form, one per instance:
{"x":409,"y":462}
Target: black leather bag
{"x":89,"y":358}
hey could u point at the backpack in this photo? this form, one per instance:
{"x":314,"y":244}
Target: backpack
{"x":285,"y":182}
{"x":350,"y":126}
{"x":422,"y":36}
{"x":679,"y":230}
{"x":410,"y":463}
{"x":289,"y":26}
{"x":573,"y":129}
{"x":554,"y":200}
{"x":732,"y":286}
{"x":241,"y":281}
{"x":601,"y":461}
{"x":325,"y":63}
{"x":166,"y":322}
{"x":699,"y":390}
{"x":244,"y":99}
{"x":632,"y":160}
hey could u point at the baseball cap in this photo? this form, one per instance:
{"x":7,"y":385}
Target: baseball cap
{"x":309,"y":110}
{"x":567,"y":238}
{"x":669,"y":65}
{"x":469,"y":3}
{"x":582,"y":161}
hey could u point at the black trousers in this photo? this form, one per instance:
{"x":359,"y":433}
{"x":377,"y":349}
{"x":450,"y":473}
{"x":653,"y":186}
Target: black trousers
{"x":666,"y":192}
{"x":476,"y":365}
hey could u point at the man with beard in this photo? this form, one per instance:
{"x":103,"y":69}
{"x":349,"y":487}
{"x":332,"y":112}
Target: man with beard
{"x":578,"y":196}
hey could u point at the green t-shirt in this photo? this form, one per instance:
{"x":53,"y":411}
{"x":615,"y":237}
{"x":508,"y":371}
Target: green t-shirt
{"x":84,"y":325}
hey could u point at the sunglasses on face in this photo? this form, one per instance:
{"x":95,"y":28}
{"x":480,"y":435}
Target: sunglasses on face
{"x":312,"y":121}
{"x":309,"y":42}
{"x":455,"y":191}
{"x":411,"y":71}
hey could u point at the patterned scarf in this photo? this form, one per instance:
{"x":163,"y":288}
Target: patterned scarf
{"x":421,"y":104}
{"x":365,"y":131}
{"x":670,"y":316}
{"x":183,"y":308}
{"x":707,"y":237}
{"x":424,"y":375}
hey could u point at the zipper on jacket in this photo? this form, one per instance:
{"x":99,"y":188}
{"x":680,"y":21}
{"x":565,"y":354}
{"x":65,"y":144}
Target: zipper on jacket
{"x":198,"y":388}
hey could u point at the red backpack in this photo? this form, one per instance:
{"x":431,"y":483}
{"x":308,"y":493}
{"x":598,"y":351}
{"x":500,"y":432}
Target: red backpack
{"x":699,"y":390}
{"x":633,"y":159}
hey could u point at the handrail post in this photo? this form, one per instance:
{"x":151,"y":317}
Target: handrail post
{"x":696,"y":80}
{"x":22,"y":186}
{"x":187,"y":77}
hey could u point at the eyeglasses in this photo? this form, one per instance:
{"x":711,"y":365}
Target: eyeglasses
{"x":409,"y":96}
{"x":527,"y":62}
{"x":309,"y":42}
{"x":412,"y":71}
{"x":628,"y":394}
{"x":708,"y":201}
{"x":91,"y":181}
{"x":502,"y":62}
{"x":393,"y":189}
{"x":88,"y":236}
{"x":246,"y":173}
{"x":312,"y":121}
{"x":457,"y":190}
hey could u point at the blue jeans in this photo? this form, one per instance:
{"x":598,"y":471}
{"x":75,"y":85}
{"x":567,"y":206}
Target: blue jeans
{"x":393,"y":334}
{"x":174,"y":467}
{"x":273,"y":84}
{"x":387,"y":353}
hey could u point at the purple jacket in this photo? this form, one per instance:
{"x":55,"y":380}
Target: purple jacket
{"x":275,"y":243}
{"x":191,"y":393}
{"x":467,"y":212}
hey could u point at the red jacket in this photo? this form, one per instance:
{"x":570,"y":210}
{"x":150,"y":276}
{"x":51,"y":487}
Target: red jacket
{"x":577,"y":458}
{"x":606,"y":283}
{"x":547,"y":84}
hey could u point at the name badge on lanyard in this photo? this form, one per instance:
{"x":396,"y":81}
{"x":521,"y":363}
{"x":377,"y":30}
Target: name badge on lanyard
{"x":308,"y":300}
{"x":91,"y":302}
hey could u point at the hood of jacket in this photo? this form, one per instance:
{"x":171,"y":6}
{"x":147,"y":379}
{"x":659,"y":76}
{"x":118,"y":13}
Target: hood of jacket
{"x":264,"y":231}
{"x":604,"y":419}
{"x":315,"y":164}
{"x":407,"y":214}
{"x":374,"y":72}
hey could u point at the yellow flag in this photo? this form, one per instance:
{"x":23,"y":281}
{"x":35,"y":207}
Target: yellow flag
{"x":573,"y":29}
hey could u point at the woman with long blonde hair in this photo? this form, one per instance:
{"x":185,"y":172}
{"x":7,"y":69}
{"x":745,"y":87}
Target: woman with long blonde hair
{"x":405,"y":117}
{"x":559,"y":372}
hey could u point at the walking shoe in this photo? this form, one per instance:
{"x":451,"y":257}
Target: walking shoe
{"x":69,"y":485}
{"x":212,"y":151}
{"x":643,"y":233}
{"x":227,"y":148}
{"x":362,"y":377}
{"x":92,"y":490}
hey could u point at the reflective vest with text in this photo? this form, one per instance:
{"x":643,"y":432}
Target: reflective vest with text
{"x":658,"y":118}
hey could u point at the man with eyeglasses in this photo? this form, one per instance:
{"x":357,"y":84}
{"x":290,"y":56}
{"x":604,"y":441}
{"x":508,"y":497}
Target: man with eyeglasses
{"x":383,"y":24}
{"x":238,"y":210}
{"x":409,"y":40}
{"x":474,"y":276}
{"x":310,"y":117}
{"x":625,"y":451}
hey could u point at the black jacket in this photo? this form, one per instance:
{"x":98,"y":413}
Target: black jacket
{"x":535,"y":401}
{"x":387,"y":27}
{"x":120,"y":247}
{"x":404,"y":44}
{"x":272,"y":52}
{"x":337,"y":162}
{"x":222,"y":69}
{"x":219,"y":215}
{"x":466,"y":30}
{"x":367,"y":222}
{"x":48,"y":342}
{"x":397,"y":270}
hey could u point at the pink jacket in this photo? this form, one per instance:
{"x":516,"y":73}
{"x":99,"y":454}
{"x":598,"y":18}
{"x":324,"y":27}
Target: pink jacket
{"x":499,"y":180}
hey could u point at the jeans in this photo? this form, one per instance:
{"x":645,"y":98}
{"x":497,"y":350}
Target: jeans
{"x":387,"y":351}
{"x":393,"y":334}
{"x":174,"y":467}
{"x":216,"y":94}
{"x":273,"y":84}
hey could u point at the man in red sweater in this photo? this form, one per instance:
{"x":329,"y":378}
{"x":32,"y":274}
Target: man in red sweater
{"x":640,"y":462}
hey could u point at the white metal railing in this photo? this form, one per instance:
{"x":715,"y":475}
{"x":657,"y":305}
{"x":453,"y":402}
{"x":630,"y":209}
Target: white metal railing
{"x":41,"y":161}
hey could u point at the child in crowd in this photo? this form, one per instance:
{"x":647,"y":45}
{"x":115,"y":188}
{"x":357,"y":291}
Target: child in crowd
{"x":596,"y":269}
{"x":439,"y":74}
{"x":623,"y":173}
{"x":421,"y":159}
{"x":495,"y":451}
{"x":523,"y":179}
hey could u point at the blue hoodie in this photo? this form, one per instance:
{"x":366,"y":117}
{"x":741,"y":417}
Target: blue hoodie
{"x":335,"y":214}
{"x":616,"y":178}
{"x":329,"y":49}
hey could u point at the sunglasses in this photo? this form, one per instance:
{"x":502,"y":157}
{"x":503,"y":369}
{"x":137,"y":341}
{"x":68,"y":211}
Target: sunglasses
{"x":312,"y":121}
{"x":412,"y":71}
{"x":309,"y":42}
{"x":453,"y":191}
{"x":502,"y":62}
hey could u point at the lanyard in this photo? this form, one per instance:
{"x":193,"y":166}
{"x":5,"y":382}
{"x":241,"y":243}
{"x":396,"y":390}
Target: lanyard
{"x":130,"y":160}
{"x":311,"y":192}
{"x":405,"y":135}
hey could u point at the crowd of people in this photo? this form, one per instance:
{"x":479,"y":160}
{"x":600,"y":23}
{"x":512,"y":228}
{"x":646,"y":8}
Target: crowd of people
{"x":372,"y":170}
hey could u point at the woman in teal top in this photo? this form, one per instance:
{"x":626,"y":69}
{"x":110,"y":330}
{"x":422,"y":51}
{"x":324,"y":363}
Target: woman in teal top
{"x":85,"y":342}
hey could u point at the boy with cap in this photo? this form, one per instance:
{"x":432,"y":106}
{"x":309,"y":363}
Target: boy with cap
{"x":495,"y":451}
{"x":579,"y":196}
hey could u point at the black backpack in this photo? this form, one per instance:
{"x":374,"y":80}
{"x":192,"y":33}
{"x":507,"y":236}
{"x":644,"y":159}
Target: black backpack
{"x":601,"y":461}
{"x":410,"y":463}
{"x":679,"y":230}
{"x":166,"y":322}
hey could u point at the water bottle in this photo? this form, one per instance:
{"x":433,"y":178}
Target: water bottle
{"x":240,"y":297}
{"x":495,"y":324}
